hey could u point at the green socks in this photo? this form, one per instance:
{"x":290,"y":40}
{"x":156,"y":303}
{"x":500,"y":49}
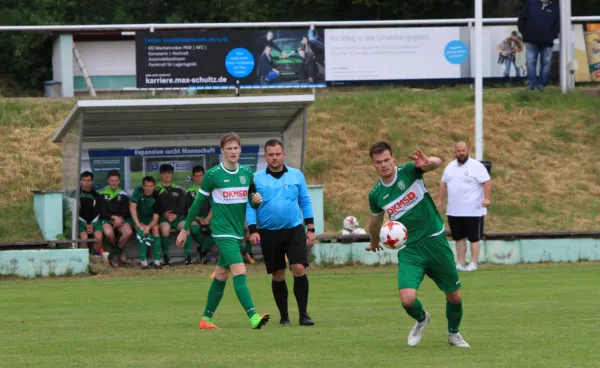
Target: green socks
{"x":195,"y":232}
{"x":166,"y":245}
{"x":243,"y":294}
{"x":142,"y":249}
{"x":215,"y":293}
{"x":454,"y":314}
{"x":416,"y":311}
{"x":187,"y":248}
{"x":156,"y":248}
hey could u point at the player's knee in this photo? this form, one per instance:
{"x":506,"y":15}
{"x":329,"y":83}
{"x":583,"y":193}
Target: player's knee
{"x":279,"y":275}
{"x":237,"y":269}
{"x":164,"y":229}
{"x":407,"y":297}
{"x":222,"y":274}
{"x":453,"y":297}
{"x":298,"y":270}
{"x":126,"y":233}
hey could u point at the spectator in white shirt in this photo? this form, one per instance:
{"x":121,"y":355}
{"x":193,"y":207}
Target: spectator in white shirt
{"x":469,"y":187}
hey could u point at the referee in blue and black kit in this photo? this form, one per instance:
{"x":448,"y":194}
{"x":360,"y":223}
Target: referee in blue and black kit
{"x":278,"y":225}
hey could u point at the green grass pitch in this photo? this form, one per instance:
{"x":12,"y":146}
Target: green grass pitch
{"x":514,"y":316}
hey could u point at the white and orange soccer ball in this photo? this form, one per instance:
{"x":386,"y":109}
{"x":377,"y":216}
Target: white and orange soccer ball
{"x":350,"y":223}
{"x":393,"y":235}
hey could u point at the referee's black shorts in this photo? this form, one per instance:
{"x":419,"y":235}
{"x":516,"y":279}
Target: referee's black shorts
{"x":466,"y":227}
{"x":277,"y":243}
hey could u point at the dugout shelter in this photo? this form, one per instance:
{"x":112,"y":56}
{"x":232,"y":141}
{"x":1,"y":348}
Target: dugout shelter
{"x":136,"y":136}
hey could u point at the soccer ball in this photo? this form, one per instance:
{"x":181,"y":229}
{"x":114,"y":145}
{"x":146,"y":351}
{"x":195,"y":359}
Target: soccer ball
{"x":350,"y":223}
{"x":393,"y":235}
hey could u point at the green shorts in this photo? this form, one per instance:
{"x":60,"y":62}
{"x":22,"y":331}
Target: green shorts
{"x":229,"y":252}
{"x":429,"y":256}
{"x":83,"y":224}
{"x":143,"y":220}
{"x":172,"y":224}
{"x":127,"y":221}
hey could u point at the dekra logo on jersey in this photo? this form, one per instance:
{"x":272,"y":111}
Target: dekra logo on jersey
{"x":235,"y":193}
{"x":402,"y":202}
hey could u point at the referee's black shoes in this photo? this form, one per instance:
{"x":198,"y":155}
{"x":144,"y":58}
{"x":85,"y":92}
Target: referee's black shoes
{"x":306,"y":321}
{"x":284,"y":322}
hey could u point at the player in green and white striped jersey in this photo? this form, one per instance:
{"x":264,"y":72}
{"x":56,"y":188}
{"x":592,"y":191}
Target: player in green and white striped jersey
{"x":401,"y":193}
{"x":229,"y":187}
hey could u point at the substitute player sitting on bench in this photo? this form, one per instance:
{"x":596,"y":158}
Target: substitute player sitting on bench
{"x":91,"y":205}
{"x":116,"y":217}
{"x":172,"y":198}
{"x":145,"y":211}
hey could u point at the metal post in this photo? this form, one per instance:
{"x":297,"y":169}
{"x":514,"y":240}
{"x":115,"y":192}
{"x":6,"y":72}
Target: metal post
{"x":571,"y":49}
{"x":479,"y":80}
{"x":565,"y":33}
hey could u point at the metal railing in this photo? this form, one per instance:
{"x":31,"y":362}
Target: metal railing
{"x":311,"y":24}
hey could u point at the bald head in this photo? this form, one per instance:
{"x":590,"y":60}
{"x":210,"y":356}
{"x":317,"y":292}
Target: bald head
{"x":461,"y":152}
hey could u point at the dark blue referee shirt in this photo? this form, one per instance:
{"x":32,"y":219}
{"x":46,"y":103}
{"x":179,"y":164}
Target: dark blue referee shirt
{"x":285,"y":201}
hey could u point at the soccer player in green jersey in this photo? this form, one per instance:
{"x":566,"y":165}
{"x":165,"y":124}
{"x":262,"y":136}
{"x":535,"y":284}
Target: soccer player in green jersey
{"x":230,"y":187}
{"x":401,"y":193}
{"x":145,"y":210}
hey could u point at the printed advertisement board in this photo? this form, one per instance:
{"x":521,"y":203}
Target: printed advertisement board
{"x":356,"y":56}
{"x":279,"y":58}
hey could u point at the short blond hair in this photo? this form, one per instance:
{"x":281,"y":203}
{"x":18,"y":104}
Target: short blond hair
{"x":230,"y":137}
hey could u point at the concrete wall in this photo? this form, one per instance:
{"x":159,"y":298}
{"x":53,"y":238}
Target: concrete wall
{"x":34,"y":263}
{"x":493,"y":251}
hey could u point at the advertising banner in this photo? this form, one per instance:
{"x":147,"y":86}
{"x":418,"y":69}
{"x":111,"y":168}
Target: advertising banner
{"x":278,"y":58}
{"x":356,"y":56}
{"x":591,"y":35}
{"x":135,"y":163}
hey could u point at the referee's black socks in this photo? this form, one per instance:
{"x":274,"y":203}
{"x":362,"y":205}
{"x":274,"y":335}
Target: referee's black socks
{"x":301,"y":293}
{"x":280,"y":292}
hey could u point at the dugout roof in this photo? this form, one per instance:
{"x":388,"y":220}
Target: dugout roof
{"x":187,"y":119}
{"x":156,"y":117}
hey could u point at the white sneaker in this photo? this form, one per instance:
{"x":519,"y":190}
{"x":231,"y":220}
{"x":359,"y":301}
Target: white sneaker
{"x":460,"y":267}
{"x":471,"y":267}
{"x":415,"y":335}
{"x":455,"y":339}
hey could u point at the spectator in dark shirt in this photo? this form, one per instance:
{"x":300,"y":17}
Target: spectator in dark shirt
{"x":539,"y":23}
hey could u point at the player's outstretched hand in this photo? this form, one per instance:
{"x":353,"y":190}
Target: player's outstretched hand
{"x":181,"y":238}
{"x":257,"y":198}
{"x":373,"y":247}
{"x":419,"y":159}
{"x":255,"y":239}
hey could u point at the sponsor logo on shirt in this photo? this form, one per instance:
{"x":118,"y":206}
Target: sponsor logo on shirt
{"x":235,"y":193}
{"x":230,"y":195}
{"x":405,"y":202}
{"x":402,"y":202}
